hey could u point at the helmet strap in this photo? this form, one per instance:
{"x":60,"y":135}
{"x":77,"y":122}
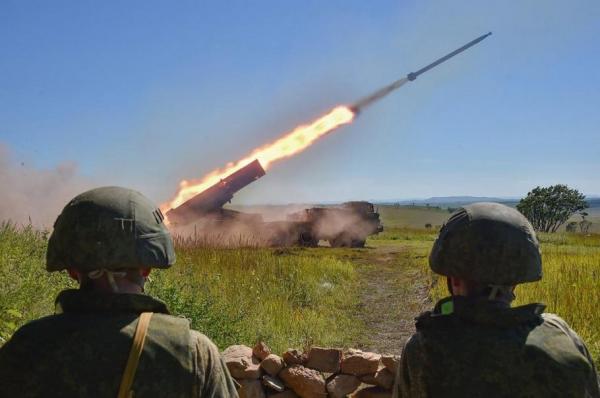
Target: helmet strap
{"x":505,"y":291}
{"x":110,"y":276}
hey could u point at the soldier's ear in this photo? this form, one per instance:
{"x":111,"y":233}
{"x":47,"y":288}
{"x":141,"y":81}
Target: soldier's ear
{"x":74,"y":274}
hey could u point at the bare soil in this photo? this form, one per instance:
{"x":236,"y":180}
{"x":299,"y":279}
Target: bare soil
{"x":393,"y":291}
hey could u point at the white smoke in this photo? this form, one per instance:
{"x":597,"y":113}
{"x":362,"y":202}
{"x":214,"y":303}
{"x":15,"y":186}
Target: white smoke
{"x":32,"y":195}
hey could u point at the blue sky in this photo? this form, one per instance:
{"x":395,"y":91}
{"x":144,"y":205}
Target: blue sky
{"x":145,"y":93}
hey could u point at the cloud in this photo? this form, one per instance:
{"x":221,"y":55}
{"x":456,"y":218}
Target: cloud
{"x":32,"y":195}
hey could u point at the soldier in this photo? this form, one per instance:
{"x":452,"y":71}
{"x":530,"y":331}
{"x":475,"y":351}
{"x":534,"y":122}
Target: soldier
{"x":107,"y":338}
{"x":473,"y":344}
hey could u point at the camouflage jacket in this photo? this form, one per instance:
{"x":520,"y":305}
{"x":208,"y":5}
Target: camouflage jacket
{"x":481,"y":348}
{"x":82,"y":350}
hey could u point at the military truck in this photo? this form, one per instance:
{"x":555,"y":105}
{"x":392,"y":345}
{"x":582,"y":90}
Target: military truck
{"x":347,"y":225}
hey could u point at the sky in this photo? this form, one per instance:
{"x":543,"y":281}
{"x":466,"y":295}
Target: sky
{"x":146,"y":93}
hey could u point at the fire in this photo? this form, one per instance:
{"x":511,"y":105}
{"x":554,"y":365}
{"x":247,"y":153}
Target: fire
{"x":290,"y":144}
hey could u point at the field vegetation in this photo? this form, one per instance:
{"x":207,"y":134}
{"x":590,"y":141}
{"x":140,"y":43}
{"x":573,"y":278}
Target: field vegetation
{"x":299,"y":297}
{"x":234,"y":296}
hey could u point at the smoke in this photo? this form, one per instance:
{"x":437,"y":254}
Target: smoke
{"x":286,"y":226}
{"x":29,"y":195}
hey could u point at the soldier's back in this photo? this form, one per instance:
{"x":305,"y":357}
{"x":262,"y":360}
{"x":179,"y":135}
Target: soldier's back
{"x":75,"y":355}
{"x":482,"y":351}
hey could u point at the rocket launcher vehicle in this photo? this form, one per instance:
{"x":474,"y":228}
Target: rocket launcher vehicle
{"x":214,"y":198}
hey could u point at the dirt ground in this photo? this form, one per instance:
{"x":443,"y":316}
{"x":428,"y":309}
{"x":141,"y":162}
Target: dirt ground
{"x":393,"y":291}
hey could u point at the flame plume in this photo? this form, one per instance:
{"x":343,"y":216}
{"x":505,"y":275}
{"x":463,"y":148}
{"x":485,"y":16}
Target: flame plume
{"x":288,"y":145}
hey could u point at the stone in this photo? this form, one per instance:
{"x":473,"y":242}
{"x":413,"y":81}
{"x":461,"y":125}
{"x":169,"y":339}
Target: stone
{"x":261,"y":350}
{"x":241,"y":363}
{"x":384,"y":378}
{"x":284,"y":394}
{"x":324,"y":359}
{"x":307,"y":383}
{"x":273,"y":383}
{"x":373,"y":392}
{"x":251,"y":389}
{"x":294,"y":357}
{"x":272,"y":364}
{"x":391,"y":362}
{"x":369,"y":379}
{"x":359,"y":363}
{"x":341,"y":385}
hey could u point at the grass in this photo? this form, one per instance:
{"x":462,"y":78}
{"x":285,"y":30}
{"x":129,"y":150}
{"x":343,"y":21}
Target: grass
{"x":235,"y":296}
{"x":299,"y":297}
{"x":571,"y":284}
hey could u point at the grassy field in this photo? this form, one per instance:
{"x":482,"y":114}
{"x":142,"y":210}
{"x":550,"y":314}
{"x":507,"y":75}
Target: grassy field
{"x":234,"y":296}
{"x":299,"y":297}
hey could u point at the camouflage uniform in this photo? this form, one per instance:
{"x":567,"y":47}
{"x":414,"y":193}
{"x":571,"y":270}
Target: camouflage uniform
{"x":83,"y":349}
{"x":479,"y":346}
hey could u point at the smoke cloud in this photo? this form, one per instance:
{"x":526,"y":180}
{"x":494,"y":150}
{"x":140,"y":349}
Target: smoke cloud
{"x":280,"y":226}
{"x":33,"y":195}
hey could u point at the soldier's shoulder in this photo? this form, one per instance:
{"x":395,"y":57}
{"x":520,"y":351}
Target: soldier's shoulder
{"x":557,"y":324}
{"x":171,"y":320}
{"x":413,"y":346}
{"x":37,"y":326}
{"x":202,"y":342}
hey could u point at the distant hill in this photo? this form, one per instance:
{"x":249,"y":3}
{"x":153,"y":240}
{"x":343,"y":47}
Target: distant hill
{"x":453,"y":201}
{"x":594,"y":203}
{"x":456,"y":201}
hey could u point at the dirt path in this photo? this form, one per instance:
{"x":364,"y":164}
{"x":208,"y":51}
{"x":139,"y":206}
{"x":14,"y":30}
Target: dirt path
{"x":393,"y":291}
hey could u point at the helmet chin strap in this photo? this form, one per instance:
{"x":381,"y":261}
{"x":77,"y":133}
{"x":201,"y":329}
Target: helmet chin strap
{"x":110,"y":276}
{"x":506,"y":291}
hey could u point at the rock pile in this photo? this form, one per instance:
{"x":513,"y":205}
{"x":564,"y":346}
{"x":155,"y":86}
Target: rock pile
{"x":318,"y":373}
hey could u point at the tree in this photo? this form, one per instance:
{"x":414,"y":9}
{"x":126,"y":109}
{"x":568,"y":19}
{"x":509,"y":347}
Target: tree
{"x":547,"y":208}
{"x":572,"y":226}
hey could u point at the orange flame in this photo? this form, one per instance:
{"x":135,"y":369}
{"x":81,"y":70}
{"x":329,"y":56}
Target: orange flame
{"x":290,"y":144}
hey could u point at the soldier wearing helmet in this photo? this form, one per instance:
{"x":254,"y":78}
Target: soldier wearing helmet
{"x":473,"y":343}
{"x":107,"y":338}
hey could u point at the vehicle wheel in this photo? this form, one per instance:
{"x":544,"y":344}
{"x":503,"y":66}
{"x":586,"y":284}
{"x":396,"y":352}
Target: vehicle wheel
{"x":341,"y":241}
{"x":307,"y":240}
{"x":358,"y":243}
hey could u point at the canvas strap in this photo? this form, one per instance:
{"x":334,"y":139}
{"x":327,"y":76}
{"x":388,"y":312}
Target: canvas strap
{"x":134,"y":355}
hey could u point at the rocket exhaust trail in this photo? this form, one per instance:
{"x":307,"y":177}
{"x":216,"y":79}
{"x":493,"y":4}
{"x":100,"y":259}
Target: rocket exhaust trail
{"x":382,"y":92}
{"x":298,"y":139}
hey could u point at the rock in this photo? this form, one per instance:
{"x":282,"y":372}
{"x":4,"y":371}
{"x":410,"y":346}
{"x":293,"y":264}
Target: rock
{"x":251,"y":389}
{"x":359,"y":363}
{"x":261,"y":350}
{"x":241,"y":363}
{"x":341,"y":385}
{"x":273,"y":383}
{"x":285,"y":394}
{"x":272,"y":364}
{"x":384,"y":378}
{"x":307,"y":383}
{"x":373,"y":392}
{"x":294,"y":357}
{"x":391,"y":362}
{"x":324,"y":359}
{"x":369,"y":379}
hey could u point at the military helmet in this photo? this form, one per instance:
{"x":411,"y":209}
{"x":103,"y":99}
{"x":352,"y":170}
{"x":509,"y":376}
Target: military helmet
{"x":109,"y":228}
{"x":487,"y":243}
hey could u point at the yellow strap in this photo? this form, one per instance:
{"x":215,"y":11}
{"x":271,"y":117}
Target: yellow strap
{"x":134,"y":355}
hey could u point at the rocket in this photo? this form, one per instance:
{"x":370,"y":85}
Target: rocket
{"x":382,"y":92}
